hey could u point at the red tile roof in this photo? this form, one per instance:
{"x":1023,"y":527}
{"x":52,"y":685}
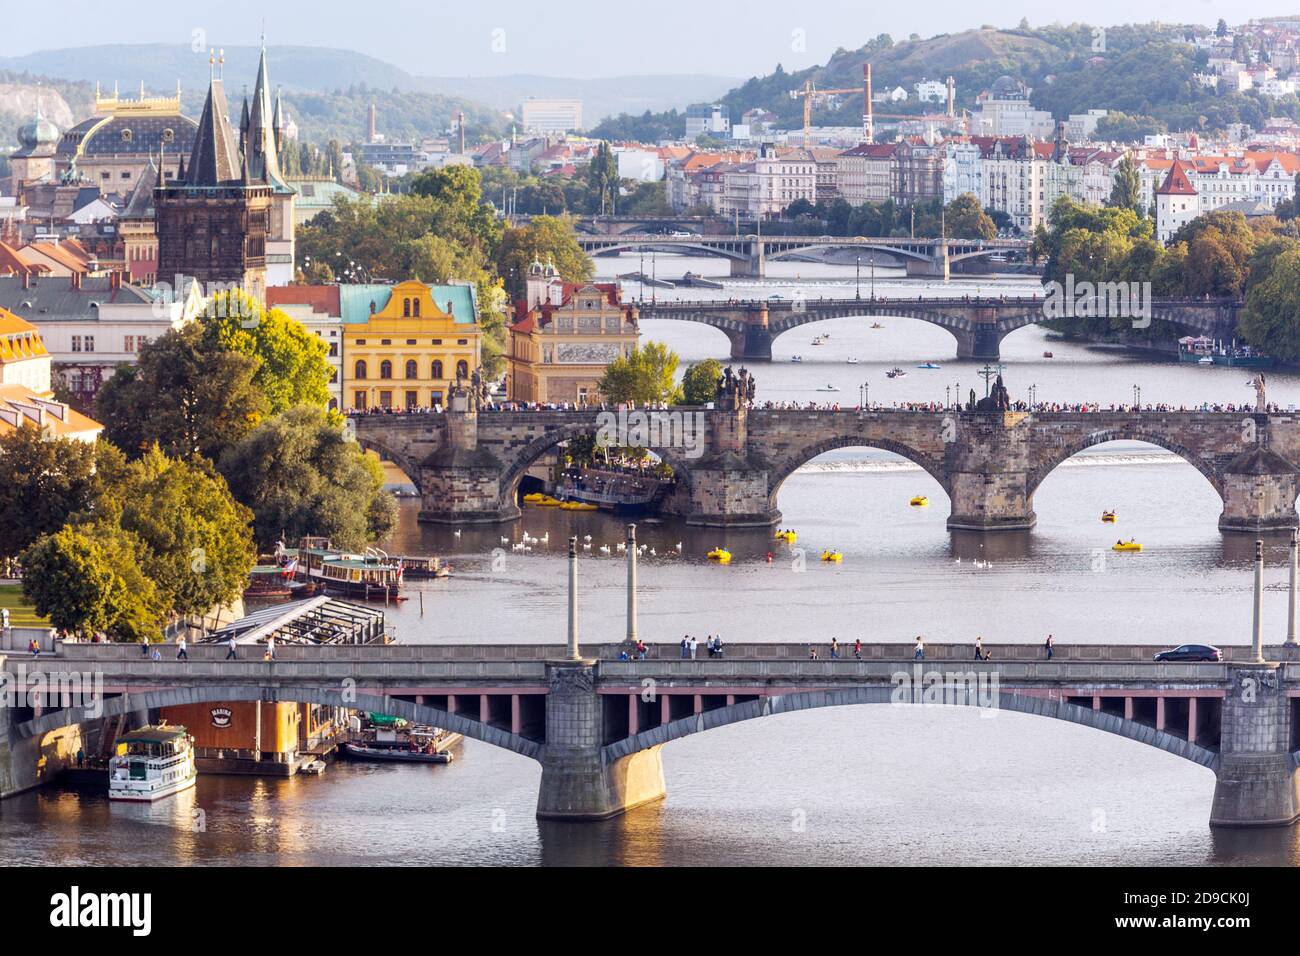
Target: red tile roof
{"x":321,"y":298}
{"x":1177,"y":183}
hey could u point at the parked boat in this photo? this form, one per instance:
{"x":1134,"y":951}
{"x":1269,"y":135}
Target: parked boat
{"x":396,"y":754}
{"x":621,"y":492}
{"x":152,"y":763}
{"x":418,"y":566}
{"x":315,"y":768}
{"x":370,"y":575}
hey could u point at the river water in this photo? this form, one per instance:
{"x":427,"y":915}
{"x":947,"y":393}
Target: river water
{"x":837,"y":786}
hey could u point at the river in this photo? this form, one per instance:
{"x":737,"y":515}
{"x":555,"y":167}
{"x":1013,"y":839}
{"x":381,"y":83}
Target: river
{"x":862,"y":785}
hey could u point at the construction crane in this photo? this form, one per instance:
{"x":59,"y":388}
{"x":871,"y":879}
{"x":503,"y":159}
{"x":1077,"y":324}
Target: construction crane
{"x":810,"y":92}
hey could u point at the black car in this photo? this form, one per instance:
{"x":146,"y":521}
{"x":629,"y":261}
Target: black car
{"x":1191,"y":652}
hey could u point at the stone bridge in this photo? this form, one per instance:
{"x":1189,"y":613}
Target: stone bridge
{"x":596,"y":725}
{"x":467,"y":465}
{"x":748,"y":255}
{"x":979,"y":325}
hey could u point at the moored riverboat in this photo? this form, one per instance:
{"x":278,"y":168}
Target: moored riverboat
{"x":152,"y":763}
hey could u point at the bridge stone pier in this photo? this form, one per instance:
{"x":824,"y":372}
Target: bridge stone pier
{"x":598,"y":726}
{"x":467,"y":464}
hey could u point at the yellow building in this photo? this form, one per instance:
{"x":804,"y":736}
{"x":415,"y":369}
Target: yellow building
{"x":564,"y":336}
{"x":406,"y":345}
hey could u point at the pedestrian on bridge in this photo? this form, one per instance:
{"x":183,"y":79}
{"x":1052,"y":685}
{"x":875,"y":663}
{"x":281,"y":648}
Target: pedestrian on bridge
{"x":144,"y":646}
{"x":835,"y":649}
{"x":979,"y":648}
{"x":693,"y":644}
{"x":919,"y":653}
{"x":812,"y":652}
{"x":1051,"y":646}
{"x":230,"y":649}
{"x":181,"y":653}
{"x":857,"y":648}
{"x":686,"y":647}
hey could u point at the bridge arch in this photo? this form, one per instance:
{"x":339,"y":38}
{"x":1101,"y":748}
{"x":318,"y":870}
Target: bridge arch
{"x":1057,"y":456}
{"x":523,"y":457}
{"x":953,"y":325}
{"x":385,"y":452}
{"x":1053,"y":708}
{"x":332,"y":696}
{"x":595,"y":247}
{"x":796,"y":460}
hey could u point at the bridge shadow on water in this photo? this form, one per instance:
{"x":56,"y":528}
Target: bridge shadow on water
{"x":633,"y":839}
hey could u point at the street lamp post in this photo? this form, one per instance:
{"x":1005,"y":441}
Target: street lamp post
{"x":857,"y":278}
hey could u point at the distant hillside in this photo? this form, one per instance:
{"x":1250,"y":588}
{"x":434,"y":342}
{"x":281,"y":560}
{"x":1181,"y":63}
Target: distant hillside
{"x":61,"y":102}
{"x":602,"y":97}
{"x":330,"y":71}
{"x":1141,"y":69}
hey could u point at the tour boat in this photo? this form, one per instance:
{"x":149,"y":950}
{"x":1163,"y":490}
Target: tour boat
{"x":920,"y":501}
{"x":832,"y":556}
{"x":796,"y":358}
{"x":152,"y":763}
{"x":895,"y":373}
{"x":1129,"y":545}
{"x":1109,"y":517}
{"x":419,"y":566}
{"x":853,"y":361}
{"x":721,"y":555}
{"x":828,"y":388}
{"x":1048,"y":355}
{"x":818,"y":340}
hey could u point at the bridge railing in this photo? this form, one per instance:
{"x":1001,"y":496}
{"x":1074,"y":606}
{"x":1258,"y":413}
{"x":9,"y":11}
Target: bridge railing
{"x":658,"y":651}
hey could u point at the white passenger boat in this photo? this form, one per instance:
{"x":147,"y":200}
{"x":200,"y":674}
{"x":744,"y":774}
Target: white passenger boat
{"x":152,"y":763}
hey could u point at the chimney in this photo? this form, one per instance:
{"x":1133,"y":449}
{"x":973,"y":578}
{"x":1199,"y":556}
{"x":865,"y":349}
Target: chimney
{"x":460,"y":125}
{"x":115,"y":280}
{"x":27,"y":278}
{"x":76,"y":279}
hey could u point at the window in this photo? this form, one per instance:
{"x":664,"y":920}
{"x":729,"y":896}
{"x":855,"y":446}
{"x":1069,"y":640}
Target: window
{"x":410,"y":342}
{"x":76,"y":343}
{"x":406,"y":308}
{"x":334,"y":350}
{"x":412,"y":370}
{"x":385,"y":341}
{"x":385,"y":399}
{"x":359,"y":370}
{"x":436,"y":372}
{"x":416,"y":308}
{"x":361,"y":341}
{"x":90,"y":343}
{"x":437,"y":341}
{"x":128,"y":343}
{"x":412,"y":399}
{"x":462,"y":341}
{"x":358,"y":399}
{"x":385,"y":369}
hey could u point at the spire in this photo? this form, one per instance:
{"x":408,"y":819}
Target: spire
{"x":214,"y":159}
{"x":261,"y":159}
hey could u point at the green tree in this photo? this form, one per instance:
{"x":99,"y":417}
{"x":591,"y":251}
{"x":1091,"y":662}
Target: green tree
{"x":1268,"y":320}
{"x":43,"y":482}
{"x":300,"y":475}
{"x":700,"y":383}
{"x":182,"y":396}
{"x":647,"y":375}
{"x":192,"y":537}
{"x":88,"y":580}
{"x":1126,"y":192}
{"x":294,"y":365}
{"x":544,"y":239}
{"x":965,"y":218}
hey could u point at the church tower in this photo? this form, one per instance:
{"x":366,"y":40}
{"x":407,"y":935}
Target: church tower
{"x":228,"y":216}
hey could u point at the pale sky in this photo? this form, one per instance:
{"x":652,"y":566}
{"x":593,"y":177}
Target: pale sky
{"x":576,"y":38}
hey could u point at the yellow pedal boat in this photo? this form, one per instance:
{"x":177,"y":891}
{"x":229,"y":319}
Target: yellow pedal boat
{"x":789,"y":537}
{"x":1109,"y":517}
{"x":832,"y":556}
{"x":1129,"y":545}
{"x":920,"y":501}
{"x":578,"y":506}
{"x":721,"y":555}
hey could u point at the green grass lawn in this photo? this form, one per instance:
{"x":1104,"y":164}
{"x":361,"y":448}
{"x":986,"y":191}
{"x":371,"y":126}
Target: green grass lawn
{"x":21,"y":614}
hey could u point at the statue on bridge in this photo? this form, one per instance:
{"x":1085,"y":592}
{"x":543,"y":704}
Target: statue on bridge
{"x":997,"y":400}
{"x":1261,"y":405}
{"x":735,"y":389}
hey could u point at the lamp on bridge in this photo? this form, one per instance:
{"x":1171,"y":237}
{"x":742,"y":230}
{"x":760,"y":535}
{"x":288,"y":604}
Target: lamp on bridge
{"x":574,"y":655}
{"x":1257,"y":633}
{"x":631,"y":584}
{"x":1291,"y":599}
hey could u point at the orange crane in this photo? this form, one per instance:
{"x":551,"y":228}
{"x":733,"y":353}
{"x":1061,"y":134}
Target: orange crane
{"x":810,"y":92}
